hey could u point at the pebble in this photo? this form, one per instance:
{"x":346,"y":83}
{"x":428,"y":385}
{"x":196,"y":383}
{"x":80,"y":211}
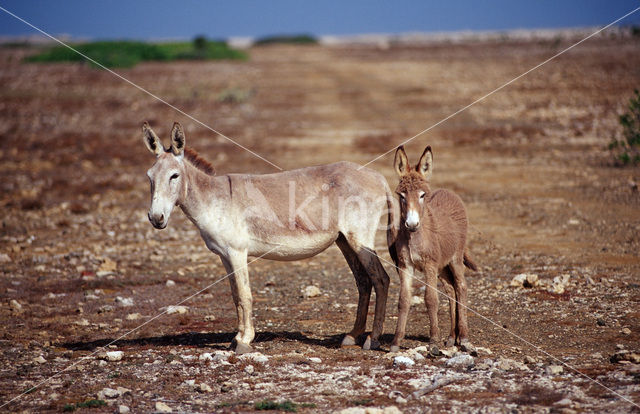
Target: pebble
{"x":311,"y":291}
{"x":554,"y":369}
{"x":114,"y":356}
{"x":108,"y":393}
{"x":205,"y":357}
{"x":204,"y":388}
{"x":315,"y":360}
{"x":626,"y":331}
{"x":124,"y":302}
{"x":39,"y":360}
{"x":133,"y":316}
{"x":527,"y":280}
{"x":4,"y":258}
{"x":170,"y":283}
{"x":461,"y":360}
{"x":179,"y":309}
{"x":123,"y":409}
{"x":162,"y":407}
{"x":255,"y":357}
{"x":403,"y":360}
{"x":565,"y":402}
{"x":249,"y":369}
{"x":15,"y":306}
{"x":417,"y":300}
{"x":82,"y":322}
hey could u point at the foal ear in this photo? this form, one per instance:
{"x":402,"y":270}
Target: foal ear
{"x":177,"y":139}
{"x":401,"y":162}
{"x":151,"y":140}
{"x":425,"y":165}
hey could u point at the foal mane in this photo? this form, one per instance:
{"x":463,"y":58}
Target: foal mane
{"x":197,"y":161}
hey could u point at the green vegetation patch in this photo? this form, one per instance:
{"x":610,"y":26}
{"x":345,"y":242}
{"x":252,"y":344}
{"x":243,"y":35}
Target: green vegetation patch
{"x":627,"y":150}
{"x":86,"y":404}
{"x":126,"y":54}
{"x":266,"y":405}
{"x":303,"y":39}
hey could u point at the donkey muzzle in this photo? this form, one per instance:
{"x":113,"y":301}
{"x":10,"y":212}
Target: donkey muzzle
{"x":157,"y":221}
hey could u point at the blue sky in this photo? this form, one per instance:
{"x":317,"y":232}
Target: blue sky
{"x":224,"y":18}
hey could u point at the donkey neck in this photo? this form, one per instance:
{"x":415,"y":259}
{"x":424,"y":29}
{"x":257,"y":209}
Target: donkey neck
{"x":202,"y":193}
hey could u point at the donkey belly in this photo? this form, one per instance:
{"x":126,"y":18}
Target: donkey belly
{"x":294,"y":248}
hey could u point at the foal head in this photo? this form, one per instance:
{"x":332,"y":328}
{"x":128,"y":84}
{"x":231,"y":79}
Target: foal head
{"x":166,"y":175}
{"x":413,"y":187}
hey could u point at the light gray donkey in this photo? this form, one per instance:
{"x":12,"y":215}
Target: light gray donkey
{"x":284,"y":216}
{"x":430,"y":238}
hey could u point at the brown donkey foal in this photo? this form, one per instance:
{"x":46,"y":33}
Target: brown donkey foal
{"x":430,"y":238}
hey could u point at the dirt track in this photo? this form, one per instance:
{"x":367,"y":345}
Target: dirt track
{"x":529,"y":161}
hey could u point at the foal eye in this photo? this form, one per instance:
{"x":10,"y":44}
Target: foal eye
{"x":174,"y":176}
{"x":422,"y":196}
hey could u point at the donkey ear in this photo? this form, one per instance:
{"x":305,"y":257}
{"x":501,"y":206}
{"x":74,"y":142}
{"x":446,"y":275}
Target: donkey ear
{"x":177,"y":139}
{"x":151,"y":140}
{"x":401,"y":162}
{"x":425,"y":165}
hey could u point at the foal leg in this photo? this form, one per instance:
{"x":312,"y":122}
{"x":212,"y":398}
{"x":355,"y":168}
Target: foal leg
{"x":447,"y":278}
{"x":431,"y":301}
{"x":363,"y":282}
{"x":238,"y":265}
{"x":404,"y":304}
{"x":460,"y":286}
{"x":234,"y":294}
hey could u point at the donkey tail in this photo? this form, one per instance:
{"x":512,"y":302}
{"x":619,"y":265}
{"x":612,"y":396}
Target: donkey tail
{"x":468,"y":261}
{"x":392,"y":230}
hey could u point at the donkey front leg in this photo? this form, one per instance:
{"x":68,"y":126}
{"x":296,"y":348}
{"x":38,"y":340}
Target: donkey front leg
{"x":404,"y":304}
{"x":236,"y":265}
{"x":431,"y":301}
{"x":380,"y":280}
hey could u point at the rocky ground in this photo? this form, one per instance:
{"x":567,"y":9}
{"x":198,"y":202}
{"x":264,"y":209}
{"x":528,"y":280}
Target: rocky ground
{"x":86,"y":281}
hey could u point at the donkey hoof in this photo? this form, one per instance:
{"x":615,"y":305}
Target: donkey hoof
{"x":449,"y":342}
{"x":242,"y":348}
{"x":394,"y":348}
{"x":467,"y":346}
{"x":370,"y":344}
{"x":348,"y":340}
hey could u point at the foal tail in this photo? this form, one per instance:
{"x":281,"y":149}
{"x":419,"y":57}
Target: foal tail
{"x":468,"y":261}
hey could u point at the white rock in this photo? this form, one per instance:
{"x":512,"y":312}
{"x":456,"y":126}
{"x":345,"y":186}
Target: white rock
{"x":39,"y":360}
{"x":352,"y":410}
{"x":461,"y":360}
{"x":417,"y":300}
{"x":124,"y":302}
{"x":108,"y":393}
{"x":162,"y":407}
{"x":221,"y":355}
{"x":403,"y":360}
{"x":255,"y":357}
{"x":4,"y":258}
{"x":114,"y":356}
{"x":625,"y":331}
{"x":392,"y":409}
{"x":565,"y":402}
{"x":123,"y":409}
{"x":82,"y":322}
{"x":482,"y":350}
{"x":179,"y":309}
{"x":15,"y":306}
{"x":170,"y":283}
{"x":311,"y":291}
{"x":554,"y":369}
{"x":204,"y":388}
{"x":315,"y":360}
{"x":133,"y":316}
{"x":205,"y":357}
{"x":249,"y":369}
{"x":190,"y":383}
{"x":525,"y":280}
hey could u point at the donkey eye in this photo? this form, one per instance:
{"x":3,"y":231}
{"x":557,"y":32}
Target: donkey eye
{"x":422,"y":196}
{"x":174,"y":176}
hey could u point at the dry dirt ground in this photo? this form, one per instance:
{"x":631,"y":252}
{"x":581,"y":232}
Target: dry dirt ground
{"x":81,"y":265}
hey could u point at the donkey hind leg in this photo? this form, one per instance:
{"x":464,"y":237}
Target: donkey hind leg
{"x":234,"y":295}
{"x":363,"y":282}
{"x":236,"y":265}
{"x":404,"y":303}
{"x":447,"y":280}
{"x":380,"y":279}
{"x":431,"y":301}
{"x":460,"y":286}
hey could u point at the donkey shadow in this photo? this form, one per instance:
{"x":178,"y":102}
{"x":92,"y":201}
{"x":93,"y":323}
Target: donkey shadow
{"x":214,"y":340}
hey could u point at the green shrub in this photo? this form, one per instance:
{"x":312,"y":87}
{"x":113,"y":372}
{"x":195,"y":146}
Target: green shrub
{"x":627,"y":150}
{"x":86,"y":404}
{"x":126,"y":54}
{"x":272,"y":405}
{"x":303,"y":39}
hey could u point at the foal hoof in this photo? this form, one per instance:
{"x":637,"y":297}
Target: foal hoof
{"x":348,"y":340}
{"x":243,"y":348}
{"x":370,"y":344}
{"x":466,"y":346}
{"x":450,"y":341}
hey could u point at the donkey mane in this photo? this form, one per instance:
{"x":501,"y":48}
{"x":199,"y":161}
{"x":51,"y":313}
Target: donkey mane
{"x":197,"y":161}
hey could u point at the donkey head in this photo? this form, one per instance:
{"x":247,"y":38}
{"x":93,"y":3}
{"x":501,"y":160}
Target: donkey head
{"x":166,"y":175}
{"x":413,"y":187}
